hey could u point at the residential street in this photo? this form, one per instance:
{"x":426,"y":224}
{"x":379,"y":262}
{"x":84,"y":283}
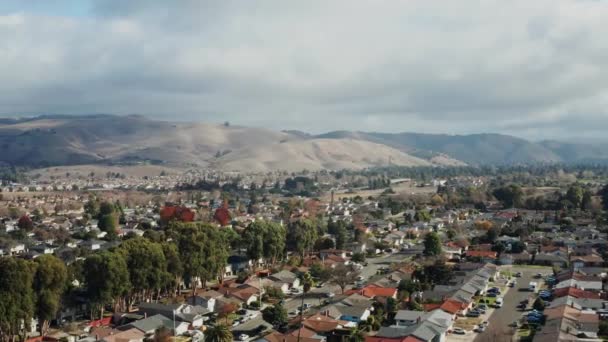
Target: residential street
{"x":499,"y":329}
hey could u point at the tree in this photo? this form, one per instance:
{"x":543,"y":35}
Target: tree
{"x":49,"y":283}
{"x":307,"y":284}
{"x":203,"y":249}
{"x":538,"y":305}
{"x":146,"y":264}
{"x":510,"y":196}
{"x":275,"y":315}
{"x":343,"y":275}
{"x":107,"y":278}
{"x":358,"y":257}
{"x":341,"y":236}
{"x":264,"y":239}
{"x":218,"y":333}
{"x":320,"y":272}
{"x":162,"y":334}
{"x":173,"y":265}
{"x":301,"y":236}
{"x":108,"y":223}
{"x":16,"y":297}
{"x":604,"y":195}
{"x":432,"y":244}
{"x":587,"y":202}
{"x":575,"y":195}
{"x":25,"y":223}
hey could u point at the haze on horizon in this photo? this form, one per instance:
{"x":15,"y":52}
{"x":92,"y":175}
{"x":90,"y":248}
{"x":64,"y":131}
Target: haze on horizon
{"x":534,"y":69}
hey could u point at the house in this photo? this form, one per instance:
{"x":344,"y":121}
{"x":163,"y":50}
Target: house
{"x":285,"y":277}
{"x":322,"y":325}
{"x":236,"y":264}
{"x":482,"y":255}
{"x":130,"y":335}
{"x":372,"y":291}
{"x":348,"y":313}
{"x":406,"y":318}
{"x":207,"y":302}
{"x":193,"y":315}
{"x":149,"y":325}
{"x":589,"y":260}
{"x":431,"y":326}
{"x":551,"y":259}
{"x":455,"y":307}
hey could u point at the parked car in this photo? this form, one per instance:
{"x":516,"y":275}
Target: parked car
{"x":459,"y":331}
{"x":482,"y":306}
{"x":479,"y":329}
{"x":492,"y":294}
{"x":243,"y":337}
{"x":518,"y":274}
{"x":473,"y":313}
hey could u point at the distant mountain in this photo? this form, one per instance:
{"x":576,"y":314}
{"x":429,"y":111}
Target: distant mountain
{"x":480,"y":149}
{"x":70,"y":140}
{"x":53,"y":140}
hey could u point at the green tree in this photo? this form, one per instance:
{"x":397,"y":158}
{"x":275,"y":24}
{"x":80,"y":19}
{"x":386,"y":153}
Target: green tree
{"x":108,"y":223}
{"x":49,"y":284}
{"x":107,"y":279}
{"x":432,"y":244}
{"x":203,"y":249}
{"x":301,"y":236}
{"x":510,"y":196}
{"x":358,"y":257}
{"x":341,"y":236}
{"x":218,"y":333}
{"x":16,"y":297}
{"x":146,"y":264}
{"x":587,"y":201}
{"x":575,"y":195}
{"x":538,"y":305}
{"x":275,"y":315}
{"x":264,"y":239}
{"x":173,"y":266}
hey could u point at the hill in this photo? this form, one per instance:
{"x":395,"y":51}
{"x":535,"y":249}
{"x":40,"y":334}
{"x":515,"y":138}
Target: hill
{"x":474,"y":149}
{"x":316,"y":154}
{"x":53,"y":140}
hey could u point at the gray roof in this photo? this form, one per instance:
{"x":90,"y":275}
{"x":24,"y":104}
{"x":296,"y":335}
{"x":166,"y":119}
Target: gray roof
{"x":152,"y":323}
{"x":408,"y":315}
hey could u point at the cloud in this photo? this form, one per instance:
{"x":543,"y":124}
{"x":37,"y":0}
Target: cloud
{"x":528,"y":68}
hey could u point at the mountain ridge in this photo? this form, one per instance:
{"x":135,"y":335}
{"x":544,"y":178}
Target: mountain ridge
{"x":50,"y":140}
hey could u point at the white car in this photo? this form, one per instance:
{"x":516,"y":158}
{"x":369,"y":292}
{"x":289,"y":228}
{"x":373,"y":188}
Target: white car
{"x":243,"y":337}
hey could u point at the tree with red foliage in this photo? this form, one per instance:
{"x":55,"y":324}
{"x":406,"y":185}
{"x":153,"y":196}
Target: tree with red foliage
{"x":222,"y":215}
{"x":25,"y":223}
{"x":182,"y":214}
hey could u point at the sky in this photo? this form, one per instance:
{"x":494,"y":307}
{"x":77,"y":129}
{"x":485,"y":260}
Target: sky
{"x":535,"y":69}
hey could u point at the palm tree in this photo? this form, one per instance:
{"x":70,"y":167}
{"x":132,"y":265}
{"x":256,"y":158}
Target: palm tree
{"x":307,"y":284}
{"x":218,"y":333}
{"x":356,"y":335}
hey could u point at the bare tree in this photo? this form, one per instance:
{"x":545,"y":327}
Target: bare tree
{"x":343,"y":275}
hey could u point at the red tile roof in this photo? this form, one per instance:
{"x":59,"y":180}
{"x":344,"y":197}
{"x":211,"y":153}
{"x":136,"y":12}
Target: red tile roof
{"x":574,"y":292}
{"x":452,"y":306}
{"x":482,"y":254}
{"x":372,"y":291}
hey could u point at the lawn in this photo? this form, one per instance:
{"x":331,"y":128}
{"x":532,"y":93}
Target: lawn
{"x":489,"y":301}
{"x":524,"y":334}
{"x":467,"y":323}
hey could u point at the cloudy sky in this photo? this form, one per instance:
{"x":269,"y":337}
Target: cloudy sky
{"x":536,"y":69}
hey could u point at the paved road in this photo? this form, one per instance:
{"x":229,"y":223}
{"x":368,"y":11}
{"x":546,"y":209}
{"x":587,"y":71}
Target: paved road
{"x":500,"y":319}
